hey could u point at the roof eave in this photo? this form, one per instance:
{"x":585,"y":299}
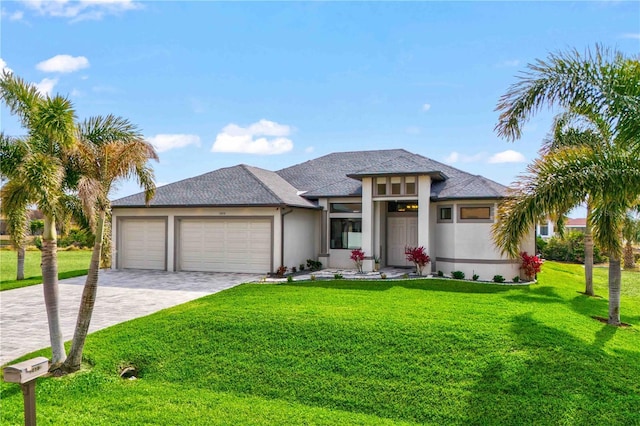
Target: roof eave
{"x":434,"y":174}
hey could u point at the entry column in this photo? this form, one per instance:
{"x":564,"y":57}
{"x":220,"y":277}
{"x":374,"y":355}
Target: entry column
{"x":367,"y":224}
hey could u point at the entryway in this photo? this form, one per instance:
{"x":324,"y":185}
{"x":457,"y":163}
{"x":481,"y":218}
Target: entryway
{"x":402,"y":231}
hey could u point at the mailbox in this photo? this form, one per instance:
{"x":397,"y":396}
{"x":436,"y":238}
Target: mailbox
{"x":26,"y":371}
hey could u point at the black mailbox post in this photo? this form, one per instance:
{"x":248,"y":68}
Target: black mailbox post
{"x":25,"y":373}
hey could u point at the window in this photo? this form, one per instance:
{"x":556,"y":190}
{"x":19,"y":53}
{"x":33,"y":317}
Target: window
{"x":445,"y":214}
{"x":381,"y":186}
{"x":410,"y":185}
{"x":396,"y":185}
{"x":346,"y":207}
{"x":402,"y":206}
{"x":544,"y":230}
{"x":475,"y":213}
{"x":346,"y":233}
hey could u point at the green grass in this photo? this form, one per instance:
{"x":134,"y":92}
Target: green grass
{"x":71,"y":263}
{"x":345,"y":352}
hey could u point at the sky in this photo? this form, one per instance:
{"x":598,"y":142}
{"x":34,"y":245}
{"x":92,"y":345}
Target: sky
{"x":273,"y":84}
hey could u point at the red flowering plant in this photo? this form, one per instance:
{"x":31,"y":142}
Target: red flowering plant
{"x":530,"y":265}
{"x":357,"y":256}
{"x":418,"y":257}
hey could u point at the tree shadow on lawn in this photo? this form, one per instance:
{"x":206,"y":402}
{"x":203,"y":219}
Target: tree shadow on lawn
{"x":551,"y":377}
{"x":453,"y":286}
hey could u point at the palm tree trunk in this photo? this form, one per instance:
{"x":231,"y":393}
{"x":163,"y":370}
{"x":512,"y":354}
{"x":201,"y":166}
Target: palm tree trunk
{"x":588,"y":257}
{"x":629,"y":261}
{"x":20,"y":269}
{"x":50,"y":286}
{"x":614,"y":289}
{"x":88,"y":302}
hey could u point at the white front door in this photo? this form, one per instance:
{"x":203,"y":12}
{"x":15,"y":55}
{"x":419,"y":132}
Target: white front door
{"x":402,"y":231}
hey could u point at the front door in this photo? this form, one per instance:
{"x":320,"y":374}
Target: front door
{"x":402,"y":231}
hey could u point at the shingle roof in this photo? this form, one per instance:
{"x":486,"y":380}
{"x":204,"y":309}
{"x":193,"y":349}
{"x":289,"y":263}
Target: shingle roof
{"x":240,"y":185}
{"x":326,"y":176}
{"x":333,"y":175}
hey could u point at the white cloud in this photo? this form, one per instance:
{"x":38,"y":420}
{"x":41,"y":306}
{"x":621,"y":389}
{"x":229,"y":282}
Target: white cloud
{"x":81,"y":10}
{"x":165,"y":142}
{"x":635,"y":36}
{"x":426,"y":107}
{"x":309,"y":149}
{"x":63,"y":64}
{"x":508,"y":156}
{"x":46,"y":85}
{"x":234,"y":138}
{"x":4,"y":67}
{"x":456,"y":157}
{"x":76,"y":93}
{"x":509,"y":63}
{"x":16,"y":16}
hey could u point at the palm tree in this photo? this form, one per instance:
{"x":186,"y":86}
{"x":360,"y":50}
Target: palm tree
{"x":560,"y":180}
{"x":631,"y":235}
{"x":39,"y":179}
{"x":110,"y":149}
{"x":571,"y":129}
{"x":603,"y":86}
{"x":12,"y":151}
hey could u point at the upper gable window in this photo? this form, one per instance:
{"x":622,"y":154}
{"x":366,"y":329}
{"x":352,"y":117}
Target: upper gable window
{"x":381,"y":186}
{"x":395,"y":185}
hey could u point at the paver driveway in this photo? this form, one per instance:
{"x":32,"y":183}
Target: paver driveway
{"x":122,"y":295}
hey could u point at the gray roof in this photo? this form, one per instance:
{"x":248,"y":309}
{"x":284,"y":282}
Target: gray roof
{"x":327,"y":176}
{"x":333,"y":175}
{"x":240,"y":185}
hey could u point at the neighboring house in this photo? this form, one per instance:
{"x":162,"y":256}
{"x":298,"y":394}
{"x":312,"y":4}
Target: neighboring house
{"x":246,"y":219}
{"x":547,"y":229}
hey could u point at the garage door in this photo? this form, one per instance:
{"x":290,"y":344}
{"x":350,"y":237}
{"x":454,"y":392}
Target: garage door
{"x":225,"y":245}
{"x":143,"y":244}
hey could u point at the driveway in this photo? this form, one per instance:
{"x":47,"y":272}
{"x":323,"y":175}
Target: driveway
{"x":122,"y":295}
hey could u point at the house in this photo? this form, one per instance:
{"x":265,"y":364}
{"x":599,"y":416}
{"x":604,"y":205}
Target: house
{"x":547,"y":229}
{"x":247,"y":219}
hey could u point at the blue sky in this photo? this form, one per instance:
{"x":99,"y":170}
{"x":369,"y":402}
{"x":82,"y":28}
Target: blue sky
{"x":215,"y":84}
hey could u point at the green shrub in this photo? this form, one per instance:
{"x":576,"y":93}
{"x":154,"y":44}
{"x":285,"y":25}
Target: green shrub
{"x":289,"y":279}
{"x":37,"y":241}
{"x":570,"y":249}
{"x":541,"y":244}
{"x":337,"y":276}
{"x":636,"y":257}
{"x":498,"y":279}
{"x":314,"y":265}
{"x":475,"y":277}
{"x":516,"y":279}
{"x":78,"y":238}
{"x":36,"y":226}
{"x":458,"y":275}
{"x":440,"y":274}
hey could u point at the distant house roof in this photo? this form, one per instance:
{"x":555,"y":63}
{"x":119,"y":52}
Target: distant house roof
{"x":240,"y":185}
{"x":578,"y":222}
{"x":333,"y":175}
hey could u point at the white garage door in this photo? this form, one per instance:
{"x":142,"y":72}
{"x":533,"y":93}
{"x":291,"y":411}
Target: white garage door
{"x":225,"y":245}
{"x":143,"y":244}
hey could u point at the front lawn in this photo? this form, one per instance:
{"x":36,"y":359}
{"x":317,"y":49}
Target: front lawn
{"x":345,"y":352}
{"x":71,"y":263}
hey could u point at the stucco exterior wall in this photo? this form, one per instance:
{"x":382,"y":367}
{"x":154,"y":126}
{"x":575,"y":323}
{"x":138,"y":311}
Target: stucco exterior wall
{"x":301,"y":236}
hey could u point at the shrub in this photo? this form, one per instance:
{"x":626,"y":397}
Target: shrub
{"x":314,"y":265}
{"x":475,"y":277}
{"x":301,"y":267}
{"x":530,"y":265}
{"x":440,"y":274}
{"x":516,"y":279}
{"x":78,"y":238}
{"x":337,"y":276}
{"x":313,"y":277}
{"x":37,"y":241}
{"x":405,"y":276}
{"x":289,"y":279}
{"x":357,"y":256}
{"x":36,"y":227}
{"x":383,"y":276}
{"x":498,"y":279}
{"x":540,"y":244}
{"x":418,"y":257}
{"x":636,"y":257}
{"x":281,"y":271}
{"x":570,"y":249}
{"x":458,"y":275}
{"x":294,"y":270}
